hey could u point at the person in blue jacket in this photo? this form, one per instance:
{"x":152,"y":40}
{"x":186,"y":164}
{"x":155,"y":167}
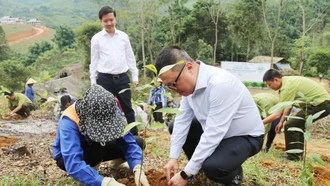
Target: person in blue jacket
{"x":90,"y":132}
{"x":29,"y":92}
{"x":156,"y":97}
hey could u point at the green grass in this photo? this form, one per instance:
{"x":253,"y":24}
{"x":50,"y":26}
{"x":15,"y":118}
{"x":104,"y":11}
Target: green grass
{"x":22,"y":47}
{"x":36,"y":180}
{"x":12,"y":29}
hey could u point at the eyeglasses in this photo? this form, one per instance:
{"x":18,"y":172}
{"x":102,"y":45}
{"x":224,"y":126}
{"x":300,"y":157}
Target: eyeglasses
{"x":172,"y":86}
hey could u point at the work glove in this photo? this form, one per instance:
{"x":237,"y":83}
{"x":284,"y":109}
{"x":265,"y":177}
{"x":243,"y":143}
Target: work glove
{"x":118,"y":164}
{"x":143,"y":179}
{"x":110,"y":182}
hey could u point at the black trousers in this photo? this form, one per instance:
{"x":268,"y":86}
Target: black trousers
{"x":271,"y":134}
{"x":294,"y":139}
{"x":226,"y":161}
{"x":95,"y":153}
{"x":26,"y":109}
{"x":158,"y":116}
{"x":114,"y":84}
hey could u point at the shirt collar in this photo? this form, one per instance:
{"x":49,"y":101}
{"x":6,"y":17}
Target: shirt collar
{"x":103,"y":32}
{"x":202,"y":77}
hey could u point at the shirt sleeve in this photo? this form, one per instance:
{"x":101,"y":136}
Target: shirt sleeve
{"x":181,"y":127}
{"x":131,"y":62}
{"x":224,"y":103}
{"x":95,"y":48}
{"x":131,"y":150}
{"x":72,"y":154}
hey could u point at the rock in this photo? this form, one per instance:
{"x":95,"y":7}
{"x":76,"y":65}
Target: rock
{"x":21,"y":151}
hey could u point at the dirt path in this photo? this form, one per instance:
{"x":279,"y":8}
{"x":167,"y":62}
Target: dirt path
{"x":22,"y":36}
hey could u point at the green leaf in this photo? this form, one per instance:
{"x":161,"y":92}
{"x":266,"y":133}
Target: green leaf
{"x":318,"y":160}
{"x":157,"y":126}
{"x":307,"y":136}
{"x":139,"y":119}
{"x":167,"y":94}
{"x":150,"y":139}
{"x":168,"y":67}
{"x":130,"y":126}
{"x":294,"y":151}
{"x":123,"y":90}
{"x":297,"y":102}
{"x":280,"y":106}
{"x":165,"y":69}
{"x":310,"y":166}
{"x":152,"y":68}
{"x":295,"y":129}
{"x":309,"y":122}
{"x":169,"y":110}
{"x":294,"y":117}
{"x":143,"y":87}
{"x":317,"y":115}
{"x":300,"y":94}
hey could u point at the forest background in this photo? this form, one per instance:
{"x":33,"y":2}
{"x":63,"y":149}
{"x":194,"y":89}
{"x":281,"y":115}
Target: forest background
{"x":211,"y":31}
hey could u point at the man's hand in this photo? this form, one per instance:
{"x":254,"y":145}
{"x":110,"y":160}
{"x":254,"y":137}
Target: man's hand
{"x":110,"y":182}
{"x":135,"y":84}
{"x":177,"y":180}
{"x":279,"y":128}
{"x":140,"y":179}
{"x":171,"y":167}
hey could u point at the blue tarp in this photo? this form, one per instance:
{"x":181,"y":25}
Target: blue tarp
{"x":283,"y":66}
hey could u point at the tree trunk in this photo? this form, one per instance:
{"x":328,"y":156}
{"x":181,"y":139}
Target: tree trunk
{"x":142,"y":40}
{"x":248,"y":48}
{"x":302,"y":52}
{"x":215,"y":42}
{"x":272,"y":55}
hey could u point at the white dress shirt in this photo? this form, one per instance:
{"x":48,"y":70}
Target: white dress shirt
{"x":223,"y":106}
{"x":112,"y":55}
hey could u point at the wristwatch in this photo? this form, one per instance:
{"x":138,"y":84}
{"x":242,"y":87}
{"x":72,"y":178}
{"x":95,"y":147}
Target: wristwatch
{"x":185,"y":176}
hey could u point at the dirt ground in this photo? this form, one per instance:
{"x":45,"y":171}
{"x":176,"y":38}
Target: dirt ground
{"x":36,"y":31}
{"x":25,"y":148}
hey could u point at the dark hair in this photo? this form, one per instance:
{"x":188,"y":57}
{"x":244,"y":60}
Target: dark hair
{"x":106,"y":10}
{"x":171,"y":55}
{"x":9,"y":93}
{"x":271,"y":74}
{"x":65,"y":99}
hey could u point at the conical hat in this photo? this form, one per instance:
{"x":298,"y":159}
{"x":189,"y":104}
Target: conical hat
{"x":31,"y":81}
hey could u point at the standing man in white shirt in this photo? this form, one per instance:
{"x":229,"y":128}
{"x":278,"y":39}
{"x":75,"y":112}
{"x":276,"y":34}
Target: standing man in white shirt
{"x":227,"y":129}
{"x":111,"y":57}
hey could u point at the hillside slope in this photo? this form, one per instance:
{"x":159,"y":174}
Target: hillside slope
{"x":52,"y":13}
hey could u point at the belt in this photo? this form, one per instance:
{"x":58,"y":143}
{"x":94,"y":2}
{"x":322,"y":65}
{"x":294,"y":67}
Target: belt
{"x":114,"y":76}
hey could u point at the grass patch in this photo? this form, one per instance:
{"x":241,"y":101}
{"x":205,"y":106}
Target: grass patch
{"x":36,"y":180}
{"x":22,"y":47}
{"x":12,"y":29}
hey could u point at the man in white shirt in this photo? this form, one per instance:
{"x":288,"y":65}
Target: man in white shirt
{"x":111,"y":57}
{"x":227,"y":129}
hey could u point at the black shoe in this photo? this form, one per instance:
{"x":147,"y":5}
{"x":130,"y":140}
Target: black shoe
{"x":266,"y":149}
{"x":237,"y":181}
{"x":290,"y":158}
